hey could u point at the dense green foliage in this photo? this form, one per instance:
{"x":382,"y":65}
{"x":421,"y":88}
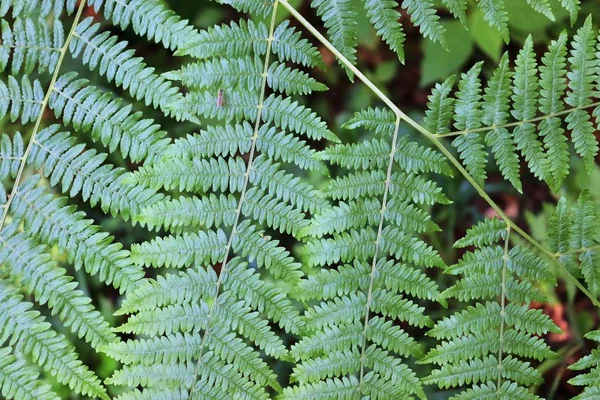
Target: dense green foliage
{"x":282,"y":259}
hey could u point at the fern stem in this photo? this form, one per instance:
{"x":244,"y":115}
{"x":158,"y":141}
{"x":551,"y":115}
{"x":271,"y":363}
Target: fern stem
{"x":517,"y":123}
{"x":437,"y":143}
{"x":238,"y":212}
{"x":388,"y":179}
{"x":40,"y":116}
{"x":503,"y":307}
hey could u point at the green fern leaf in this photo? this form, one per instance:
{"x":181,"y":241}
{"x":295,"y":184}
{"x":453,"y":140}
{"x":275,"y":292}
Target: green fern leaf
{"x":27,"y":262}
{"x":30,"y":43}
{"x":379,"y":120}
{"x":188,"y":286}
{"x":581,"y":85}
{"x":245,"y":73}
{"x":20,"y":381}
{"x":468,"y":116}
{"x":423,"y":15}
{"x":259,"y":7}
{"x":189,"y":249}
{"x":525,"y":97}
{"x":439,"y":107}
{"x":496,"y":16}
{"x":458,"y":8}
{"x":189,"y":212}
{"x":149,"y":18}
{"x":85,"y":173}
{"x":76,"y":102}
{"x":553,"y":84}
{"x":339,"y":17}
{"x":20,"y":100}
{"x":34,"y":7}
{"x":543,"y":7}
{"x":495,"y":113}
{"x":230,"y":139}
{"x":112,"y":59}
{"x":487,"y":232}
{"x":241,"y":38}
{"x":386,"y":20}
{"x":572,"y":6}
{"x":32,"y":335}
{"x":59,"y":225}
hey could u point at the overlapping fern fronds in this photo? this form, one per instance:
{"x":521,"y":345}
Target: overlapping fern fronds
{"x":208,"y":323}
{"x":369,"y":248}
{"x":483,"y":346}
{"x":34,"y":41}
{"x":339,"y":18}
{"x":590,"y":379}
{"x":522,"y":112}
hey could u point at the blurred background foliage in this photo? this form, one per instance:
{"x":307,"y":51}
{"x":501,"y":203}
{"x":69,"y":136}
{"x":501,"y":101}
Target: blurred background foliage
{"x":408,"y":85}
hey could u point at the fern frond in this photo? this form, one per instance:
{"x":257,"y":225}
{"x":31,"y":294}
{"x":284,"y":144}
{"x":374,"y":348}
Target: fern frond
{"x":572,"y":6}
{"x":495,"y":113}
{"x":458,"y":8}
{"x":496,"y":16}
{"x":280,"y":111}
{"x":379,"y":120}
{"x":31,"y":335}
{"x":468,"y":115}
{"x":486,"y":233}
{"x":259,"y":7}
{"x":245,"y":73}
{"x":30,"y":43}
{"x":59,"y":225}
{"x":241,"y":38}
{"x":540,"y":139}
{"x":155,"y":375}
{"x":162,"y":393}
{"x":423,"y":15}
{"x":343,"y":388}
{"x":267,"y":253}
{"x":584,"y":67}
{"x":509,"y":389}
{"x":238,"y":316}
{"x":591,"y":362}
{"x":202,"y":248}
{"x":485,"y":343}
{"x":231,"y":139}
{"x":20,"y":100}
{"x":20,"y":381}
{"x":386,"y":20}
{"x":246,"y":285}
{"x":112,"y":59}
{"x":525,"y":97}
{"x":553,"y":83}
{"x":439,"y":107}
{"x":339,"y":17}
{"x":84,"y":172}
{"x":77,"y":103}
{"x":189,"y":212}
{"x":35,"y":7}
{"x":188,"y":286}
{"x":184,"y":318}
{"x":149,"y":18}
{"x":485,"y":370}
{"x":29,"y":264}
